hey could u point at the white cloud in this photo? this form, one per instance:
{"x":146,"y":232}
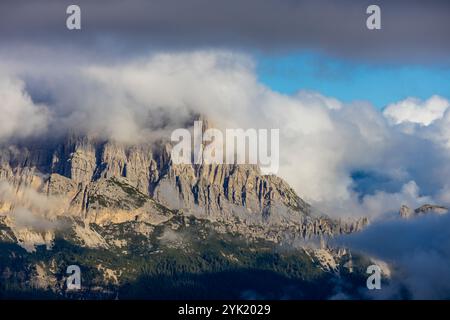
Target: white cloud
{"x":378,"y":205}
{"x":322,"y":140}
{"x":416,"y":111}
{"x":19,"y":116}
{"x":29,"y":208}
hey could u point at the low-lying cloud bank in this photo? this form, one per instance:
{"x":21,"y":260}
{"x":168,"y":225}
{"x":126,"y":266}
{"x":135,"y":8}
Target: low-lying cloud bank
{"x":347,"y":159}
{"x":418,"y":251}
{"x":20,"y":116}
{"x":30,"y":209}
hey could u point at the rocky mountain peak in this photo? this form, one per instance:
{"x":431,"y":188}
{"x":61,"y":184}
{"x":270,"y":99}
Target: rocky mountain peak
{"x":406,"y":212}
{"x":108,"y":182}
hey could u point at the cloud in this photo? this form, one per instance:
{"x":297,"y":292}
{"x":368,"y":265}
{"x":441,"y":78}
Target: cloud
{"x":25,"y":218}
{"x":20,"y":116}
{"x":148,"y":98}
{"x":342,"y":157}
{"x":418,"y":251}
{"x":30,"y":209}
{"x":378,"y":205}
{"x":416,"y":111}
{"x":173,"y":238}
{"x":275,"y":25}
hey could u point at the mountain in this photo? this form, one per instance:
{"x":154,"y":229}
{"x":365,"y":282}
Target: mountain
{"x":133,"y":220}
{"x":406,"y":212}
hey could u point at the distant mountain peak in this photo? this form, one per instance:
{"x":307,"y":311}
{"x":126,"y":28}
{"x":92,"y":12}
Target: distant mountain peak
{"x":406,"y":212}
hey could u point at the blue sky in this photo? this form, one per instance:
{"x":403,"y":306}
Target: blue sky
{"x":377,"y":83}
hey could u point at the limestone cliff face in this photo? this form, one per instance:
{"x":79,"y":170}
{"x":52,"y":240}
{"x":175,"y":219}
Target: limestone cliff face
{"x":105,"y":182}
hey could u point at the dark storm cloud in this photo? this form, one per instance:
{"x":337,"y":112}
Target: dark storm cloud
{"x":410,"y":29}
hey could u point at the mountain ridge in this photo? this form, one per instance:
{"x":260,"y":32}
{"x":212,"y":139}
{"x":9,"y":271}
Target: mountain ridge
{"x":99,"y":204}
{"x":81,"y":169}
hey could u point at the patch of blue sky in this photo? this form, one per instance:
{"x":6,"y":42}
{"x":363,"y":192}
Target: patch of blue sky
{"x":378,"y":83}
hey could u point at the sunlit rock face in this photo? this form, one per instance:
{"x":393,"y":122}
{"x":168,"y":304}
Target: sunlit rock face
{"x":104,"y":182}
